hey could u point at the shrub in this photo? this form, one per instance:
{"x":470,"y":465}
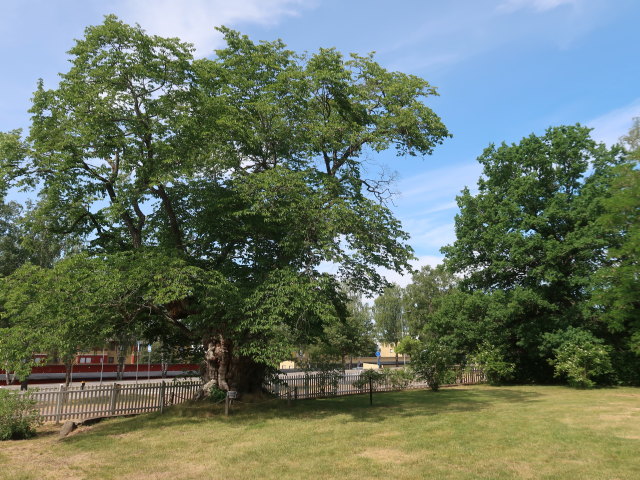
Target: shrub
{"x":216,"y":394}
{"x":18,"y":415}
{"x":399,"y":378}
{"x":579,"y":356}
{"x":369,"y":375}
{"x":433,"y":364}
{"x":490,"y":360}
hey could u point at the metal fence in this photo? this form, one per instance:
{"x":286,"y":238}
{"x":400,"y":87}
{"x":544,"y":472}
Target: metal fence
{"x":78,"y":403}
{"x":335,"y":383}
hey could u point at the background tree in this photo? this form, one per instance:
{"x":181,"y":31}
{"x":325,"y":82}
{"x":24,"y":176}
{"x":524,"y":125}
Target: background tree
{"x":616,"y":285}
{"x":530,"y":239}
{"x":12,"y":255}
{"x":423,"y":296}
{"x":631,"y":141}
{"x":350,"y":335}
{"x":388,"y":314}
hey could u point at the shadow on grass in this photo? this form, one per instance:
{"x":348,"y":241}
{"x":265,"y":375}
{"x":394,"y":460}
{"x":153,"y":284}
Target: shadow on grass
{"x":355,"y":408}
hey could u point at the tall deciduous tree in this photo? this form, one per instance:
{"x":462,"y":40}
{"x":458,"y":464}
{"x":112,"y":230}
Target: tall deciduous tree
{"x":245,"y":169}
{"x":530,"y":235}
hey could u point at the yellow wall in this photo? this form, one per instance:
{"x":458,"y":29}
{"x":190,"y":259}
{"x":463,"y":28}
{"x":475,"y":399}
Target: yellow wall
{"x":387,"y":350}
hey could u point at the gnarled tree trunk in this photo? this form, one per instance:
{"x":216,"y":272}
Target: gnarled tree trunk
{"x":227,"y":371}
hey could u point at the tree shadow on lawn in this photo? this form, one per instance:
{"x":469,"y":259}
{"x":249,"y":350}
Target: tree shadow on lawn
{"x":413,"y":403}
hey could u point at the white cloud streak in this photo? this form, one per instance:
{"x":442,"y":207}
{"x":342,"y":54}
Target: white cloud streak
{"x":194,"y":21}
{"x":608,"y":128}
{"x":537,"y":5}
{"x":404,"y":280}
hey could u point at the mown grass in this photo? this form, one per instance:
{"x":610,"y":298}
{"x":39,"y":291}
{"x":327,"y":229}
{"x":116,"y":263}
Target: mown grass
{"x":459,"y":433}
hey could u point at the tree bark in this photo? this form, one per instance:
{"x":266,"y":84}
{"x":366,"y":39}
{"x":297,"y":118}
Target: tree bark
{"x":68,"y":368}
{"x":227,"y":371}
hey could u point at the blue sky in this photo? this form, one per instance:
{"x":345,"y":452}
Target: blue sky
{"x":503,"y":68}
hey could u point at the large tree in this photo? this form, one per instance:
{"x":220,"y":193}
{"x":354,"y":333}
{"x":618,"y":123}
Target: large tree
{"x":530,"y":240}
{"x":245,"y":169}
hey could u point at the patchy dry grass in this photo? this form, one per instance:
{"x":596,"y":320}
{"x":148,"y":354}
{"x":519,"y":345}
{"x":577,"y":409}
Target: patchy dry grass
{"x":460,"y":433}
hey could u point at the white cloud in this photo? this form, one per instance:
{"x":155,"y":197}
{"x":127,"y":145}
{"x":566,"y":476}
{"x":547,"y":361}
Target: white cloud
{"x":537,"y":5}
{"x":440,"y":184}
{"x":404,"y":280}
{"x":194,"y":20}
{"x":608,"y":128}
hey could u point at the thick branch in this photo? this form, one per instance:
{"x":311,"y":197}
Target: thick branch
{"x":174,"y":225}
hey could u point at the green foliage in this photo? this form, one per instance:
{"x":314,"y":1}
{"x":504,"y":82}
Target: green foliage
{"x":578,"y":356}
{"x":408,"y":346}
{"x":206,"y":194}
{"x":616,"y":295}
{"x":399,"y":378}
{"x":631,"y":141}
{"x":490,"y":360}
{"x":367,"y":377}
{"x":529,"y":243}
{"x":18,"y":415}
{"x":349,"y":333}
{"x":388,"y":314}
{"x":433,"y":364}
{"x":424,"y":295}
{"x":216,"y":395}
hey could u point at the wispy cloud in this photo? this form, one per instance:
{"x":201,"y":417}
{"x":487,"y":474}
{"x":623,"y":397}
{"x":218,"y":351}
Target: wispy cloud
{"x":537,"y":5}
{"x":440,"y":184}
{"x":404,"y":280}
{"x":194,"y":20}
{"x":608,"y":128}
{"x":447,"y":38}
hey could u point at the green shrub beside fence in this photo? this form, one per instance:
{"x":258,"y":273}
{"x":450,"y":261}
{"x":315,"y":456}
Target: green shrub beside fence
{"x":18,"y":415}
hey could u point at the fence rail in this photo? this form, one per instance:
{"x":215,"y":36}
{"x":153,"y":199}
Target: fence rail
{"x":75,"y":403}
{"x":79,"y":403}
{"x":318,"y":385}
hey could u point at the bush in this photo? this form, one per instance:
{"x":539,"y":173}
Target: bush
{"x":216,"y":394}
{"x":363,"y":380}
{"x":579,"y":356}
{"x":433,"y":364}
{"x":490,"y":360}
{"x":399,"y":378}
{"x":18,"y":415}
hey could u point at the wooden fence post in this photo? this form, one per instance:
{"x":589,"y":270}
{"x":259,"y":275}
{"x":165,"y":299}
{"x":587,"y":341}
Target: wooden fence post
{"x":114,"y":396}
{"x":162,"y":397}
{"x":370,"y":391}
{"x":59,"y":403}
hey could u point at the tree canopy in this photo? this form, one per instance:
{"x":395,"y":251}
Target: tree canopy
{"x":210,"y":191}
{"x":530,"y":244}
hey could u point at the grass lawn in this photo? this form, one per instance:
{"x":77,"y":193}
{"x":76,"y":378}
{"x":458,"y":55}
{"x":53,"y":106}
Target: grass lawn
{"x":479,"y":432}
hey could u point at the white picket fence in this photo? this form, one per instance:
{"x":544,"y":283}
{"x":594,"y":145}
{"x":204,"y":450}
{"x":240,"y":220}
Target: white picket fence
{"x":79,"y":403}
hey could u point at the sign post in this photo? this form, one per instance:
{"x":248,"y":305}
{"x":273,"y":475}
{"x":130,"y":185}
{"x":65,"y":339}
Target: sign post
{"x":231,"y":395}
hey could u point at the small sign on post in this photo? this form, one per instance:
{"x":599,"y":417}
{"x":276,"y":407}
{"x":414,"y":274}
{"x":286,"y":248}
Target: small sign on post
{"x":231,"y":395}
